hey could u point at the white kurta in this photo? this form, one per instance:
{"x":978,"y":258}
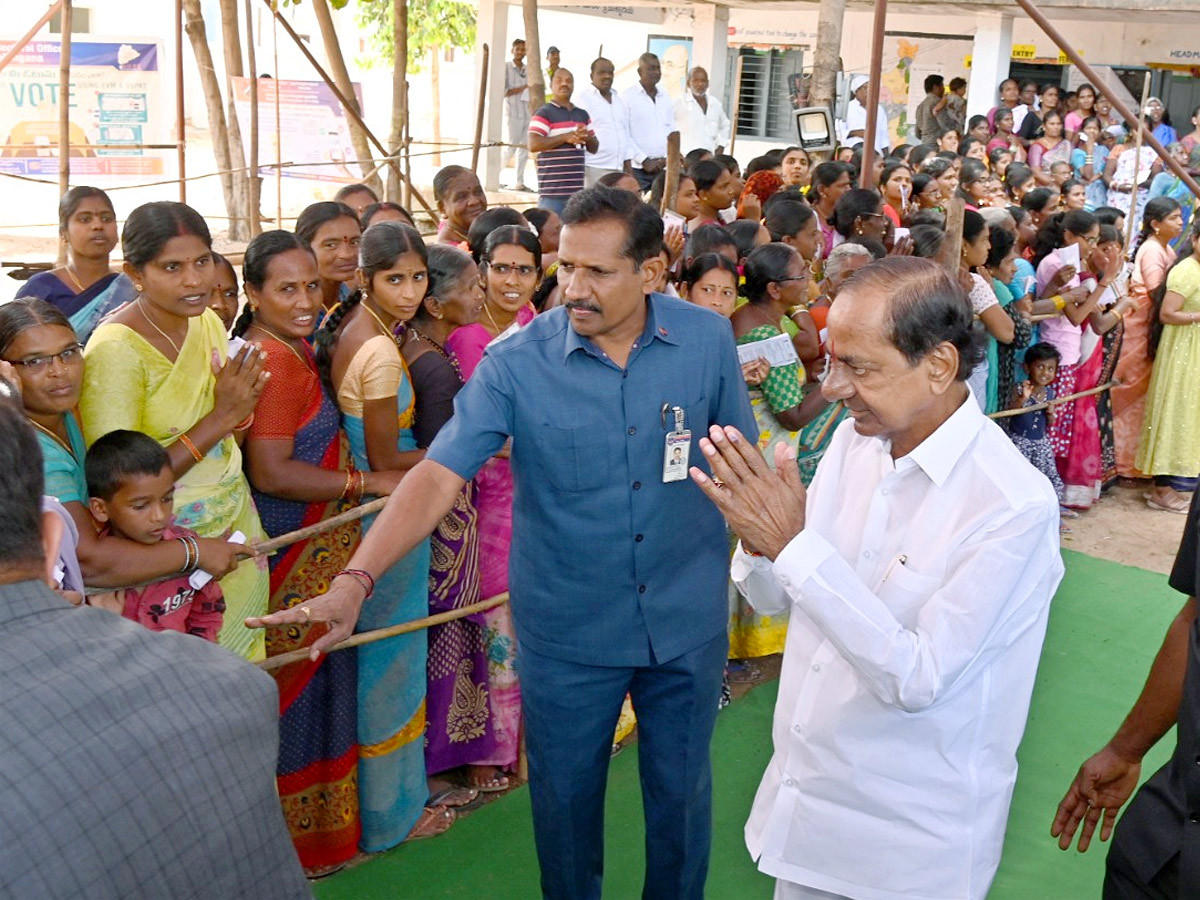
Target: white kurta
{"x":856,"y":120}
{"x":919,"y":594}
{"x":699,"y":128}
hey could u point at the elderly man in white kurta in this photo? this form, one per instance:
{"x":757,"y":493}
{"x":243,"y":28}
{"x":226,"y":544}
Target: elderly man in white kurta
{"x":918,"y":570}
{"x":699,"y":117}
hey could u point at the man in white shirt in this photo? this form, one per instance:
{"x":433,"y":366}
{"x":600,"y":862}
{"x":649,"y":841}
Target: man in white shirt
{"x":650,"y":121}
{"x":699,"y":118}
{"x":609,"y":123}
{"x":517,"y":112}
{"x":856,"y":117}
{"x":918,"y":569}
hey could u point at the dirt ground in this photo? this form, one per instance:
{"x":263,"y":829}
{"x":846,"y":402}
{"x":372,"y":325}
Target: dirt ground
{"x":1121,"y":528}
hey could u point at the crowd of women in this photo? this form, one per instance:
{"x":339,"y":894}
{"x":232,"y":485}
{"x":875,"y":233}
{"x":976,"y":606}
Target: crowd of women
{"x":321,"y":379}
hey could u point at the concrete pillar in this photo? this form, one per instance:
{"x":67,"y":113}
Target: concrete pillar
{"x":990,"y":57}
{"x":492,"y":29}
{"x":710,"y":41}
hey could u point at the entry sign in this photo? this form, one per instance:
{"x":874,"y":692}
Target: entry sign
{"x":1024,"y":51}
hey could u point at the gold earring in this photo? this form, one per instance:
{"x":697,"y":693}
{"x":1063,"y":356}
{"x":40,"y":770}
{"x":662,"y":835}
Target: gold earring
{"x":138,"y":288}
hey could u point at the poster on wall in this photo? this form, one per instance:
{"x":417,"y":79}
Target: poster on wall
{"x":115,"y":97}
{"x":675,"y":56}
{"x":314,"y":128}
{"x":918,"y":56}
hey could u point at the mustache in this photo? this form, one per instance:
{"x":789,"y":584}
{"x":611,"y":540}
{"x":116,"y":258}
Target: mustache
{"x":583,"y":305}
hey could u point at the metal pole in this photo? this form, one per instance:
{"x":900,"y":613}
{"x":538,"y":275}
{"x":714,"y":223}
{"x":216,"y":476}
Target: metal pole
{"x":179,"y":109}
{"x":1089,"y":73}
{"x":875,"y":74}
{"x":29,"y":35}
{"x":64,"y":112}
{"x":1137,"y":164}
{"x":483,"y":80}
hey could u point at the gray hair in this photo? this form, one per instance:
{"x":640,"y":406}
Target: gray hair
{"x":995,"y":215}
{"x":841,"y":255}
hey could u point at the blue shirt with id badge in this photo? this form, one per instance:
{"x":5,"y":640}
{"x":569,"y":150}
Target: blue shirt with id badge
{"x":617,"y":557}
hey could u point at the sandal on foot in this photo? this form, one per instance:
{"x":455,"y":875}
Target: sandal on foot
{"x":485,"y":785}
{"x":433,"y":821}
{"x":312,"y":873}
{"x":1181,"y":510}
{"x":453,"y":797}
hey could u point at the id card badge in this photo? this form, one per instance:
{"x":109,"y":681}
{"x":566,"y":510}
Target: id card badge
{"x":675,"y":454}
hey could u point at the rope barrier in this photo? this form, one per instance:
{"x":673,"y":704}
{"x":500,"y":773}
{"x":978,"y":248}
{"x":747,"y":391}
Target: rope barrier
{"x":443,"y":147}
{"x":379,"y":634}
{"x":1100,"y":389}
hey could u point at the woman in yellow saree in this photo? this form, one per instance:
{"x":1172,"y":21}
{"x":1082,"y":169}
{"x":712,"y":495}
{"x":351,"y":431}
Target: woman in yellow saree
{"x":158,"y":365}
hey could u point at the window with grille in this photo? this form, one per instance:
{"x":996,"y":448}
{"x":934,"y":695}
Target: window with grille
{"x":764,"y":101}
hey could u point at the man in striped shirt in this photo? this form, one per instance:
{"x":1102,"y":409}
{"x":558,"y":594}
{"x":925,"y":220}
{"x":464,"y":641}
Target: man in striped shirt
{"x":560,"y":133}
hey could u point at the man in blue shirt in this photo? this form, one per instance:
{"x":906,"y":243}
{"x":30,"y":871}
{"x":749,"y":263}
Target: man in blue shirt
{"x":619,"y":563}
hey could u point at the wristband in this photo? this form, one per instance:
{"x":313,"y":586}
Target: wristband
{"x":187,"y":442}
{"x":364,"y":579}
{"x":1059,"y":303}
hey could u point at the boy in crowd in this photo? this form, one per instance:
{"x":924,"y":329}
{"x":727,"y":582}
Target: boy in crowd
{"x":131,"y":490}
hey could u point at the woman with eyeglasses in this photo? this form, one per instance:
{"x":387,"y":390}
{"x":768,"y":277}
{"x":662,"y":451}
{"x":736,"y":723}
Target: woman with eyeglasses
{"x":511,"y":269}
{"x":161,"y":365}
{"x":44,"y":359}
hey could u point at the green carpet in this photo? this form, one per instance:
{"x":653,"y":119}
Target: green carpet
{"x":1105,"y":626}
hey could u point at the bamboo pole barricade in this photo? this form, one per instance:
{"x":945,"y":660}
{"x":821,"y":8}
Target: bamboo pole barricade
{"x":1067,"y":398}
{"x":64,"y":112}
{"x":483,"y":81}
{"x":379,"y":634}
{"x":1131,"y":219}
{"x":28,"y":36}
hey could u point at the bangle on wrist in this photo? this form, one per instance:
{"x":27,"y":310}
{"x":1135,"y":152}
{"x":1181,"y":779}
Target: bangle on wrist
{"x":245,"y":423}
{"x":187,"y":442}
{"x":187,"y":555}
{"x":349,"y":481}
{"x":364,"y":578}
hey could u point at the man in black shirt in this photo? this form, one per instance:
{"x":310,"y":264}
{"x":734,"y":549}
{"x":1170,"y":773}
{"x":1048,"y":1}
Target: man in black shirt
{"x":1156,"y":853}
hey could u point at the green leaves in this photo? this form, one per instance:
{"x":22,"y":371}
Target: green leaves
{"x":431,"y":23}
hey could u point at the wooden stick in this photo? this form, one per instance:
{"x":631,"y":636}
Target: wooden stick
{"x":951,"y":255}
{"x":349,"y":108}
{"x":879,"y":23}
{"x":1006,"y":413}
{"x":379,"y":634}
{"x":266,"y":548}
{"x":278,"y":126}
{"x":180,"y":109}
{"x":64,"y":112}
{"x":1137,"y":164}
{"x":737,"y":95}
{"x":252,"y":150}
{"x":483,"y":80}
{"x":671,"y":178}
{"x":28,"y":36}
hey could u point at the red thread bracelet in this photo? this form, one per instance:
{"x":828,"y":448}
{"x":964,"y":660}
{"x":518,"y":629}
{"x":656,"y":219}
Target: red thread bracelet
{"x":364,"y":579}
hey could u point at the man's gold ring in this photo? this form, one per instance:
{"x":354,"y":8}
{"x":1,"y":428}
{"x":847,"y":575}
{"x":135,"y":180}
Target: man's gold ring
{"x":718,"y":483}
